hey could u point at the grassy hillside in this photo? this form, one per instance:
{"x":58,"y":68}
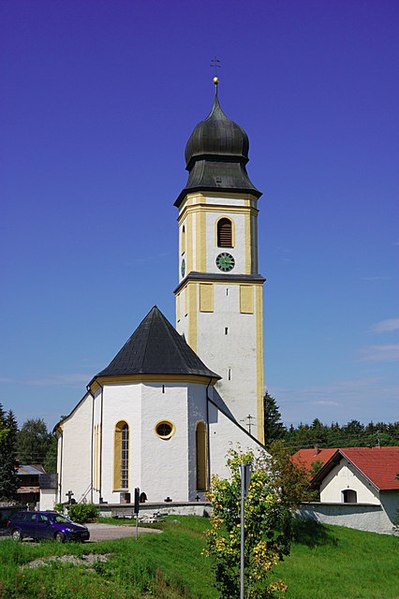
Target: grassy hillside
{"x":326,"y":563}
{"x":332,"y":562}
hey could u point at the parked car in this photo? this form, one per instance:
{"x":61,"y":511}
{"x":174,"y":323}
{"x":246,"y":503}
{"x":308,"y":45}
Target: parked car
{"x":45,"y":525}
{"x":6,"y":513}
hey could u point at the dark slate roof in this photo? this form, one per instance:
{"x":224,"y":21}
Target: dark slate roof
{"x":216,"y":155}
{"x":156,"y":348}
{"x":217,"y":136}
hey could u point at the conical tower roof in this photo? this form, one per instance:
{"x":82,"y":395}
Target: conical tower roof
{"x":156,"y":348}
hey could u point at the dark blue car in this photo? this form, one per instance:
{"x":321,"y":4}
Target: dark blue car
{"x":45,"y":525}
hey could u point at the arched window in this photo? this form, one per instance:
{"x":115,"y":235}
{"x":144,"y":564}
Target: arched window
{"x":200,"y":442}
{"x":224,"y":233}
{"x":349,"y":496}
{"x":183,"y":239}
{"x":121,"y":456}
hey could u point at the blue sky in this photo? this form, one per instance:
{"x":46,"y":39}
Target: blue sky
{"x":97,"y":101}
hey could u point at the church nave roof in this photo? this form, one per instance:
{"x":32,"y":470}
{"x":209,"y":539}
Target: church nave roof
{"x":156,"y":348}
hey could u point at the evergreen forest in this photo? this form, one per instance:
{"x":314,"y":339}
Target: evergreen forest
{"x":351,"y":434}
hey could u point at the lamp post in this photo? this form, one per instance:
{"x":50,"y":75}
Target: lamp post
{"x":245,"y":470}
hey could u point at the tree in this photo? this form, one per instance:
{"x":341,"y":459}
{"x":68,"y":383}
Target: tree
{"x":267,"y":520}
{"x":50,"y":460}
{"x":292,"y":480}
{"x":33,"y":442}
{"x":8,"y":464}
{"x":273,"y":426}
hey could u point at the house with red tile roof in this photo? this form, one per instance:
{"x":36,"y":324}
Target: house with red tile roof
{"x":358,"y":486}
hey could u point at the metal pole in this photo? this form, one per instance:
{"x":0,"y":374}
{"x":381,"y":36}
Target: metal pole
{"x":137,"y":509}
{"x":242,"y":565}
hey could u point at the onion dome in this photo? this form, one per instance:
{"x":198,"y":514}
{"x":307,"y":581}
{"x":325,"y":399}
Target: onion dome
{"x":217,"y":136}
{"x":216,"y":155}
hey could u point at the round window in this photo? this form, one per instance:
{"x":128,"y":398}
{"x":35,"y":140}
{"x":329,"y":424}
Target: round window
{"x":164,"y":429}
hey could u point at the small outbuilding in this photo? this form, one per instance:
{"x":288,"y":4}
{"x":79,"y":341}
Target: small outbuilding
{"x":359,"y":487}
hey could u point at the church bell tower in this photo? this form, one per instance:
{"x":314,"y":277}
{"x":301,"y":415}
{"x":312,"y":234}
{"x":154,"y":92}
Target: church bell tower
{"x":219,"y":299}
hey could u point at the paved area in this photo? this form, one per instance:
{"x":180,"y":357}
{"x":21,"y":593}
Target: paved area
{"x":106,"y":532}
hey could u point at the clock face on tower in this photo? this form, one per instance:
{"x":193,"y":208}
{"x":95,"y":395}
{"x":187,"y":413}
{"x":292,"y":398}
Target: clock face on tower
{"x":225,"y":262}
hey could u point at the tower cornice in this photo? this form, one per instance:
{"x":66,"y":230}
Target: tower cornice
{"x":198,"y":277}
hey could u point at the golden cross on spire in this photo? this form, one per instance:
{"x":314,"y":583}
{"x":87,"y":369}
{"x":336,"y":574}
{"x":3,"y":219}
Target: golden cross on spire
{"x":215,"y":64}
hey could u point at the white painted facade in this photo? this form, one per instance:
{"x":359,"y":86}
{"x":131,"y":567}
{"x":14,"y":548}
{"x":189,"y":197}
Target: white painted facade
{"x":344,"y":476}
{"x":48,"y":498}
{"x":74,"y":452}
{"x":159,"y":467}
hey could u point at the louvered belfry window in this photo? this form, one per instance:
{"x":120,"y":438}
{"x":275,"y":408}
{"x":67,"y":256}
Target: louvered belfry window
{"x":225,"y":233}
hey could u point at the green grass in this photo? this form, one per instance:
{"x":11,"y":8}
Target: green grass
{"x":326,"y":562}
{"x":332,"y":562}
{"x":167,"y":566}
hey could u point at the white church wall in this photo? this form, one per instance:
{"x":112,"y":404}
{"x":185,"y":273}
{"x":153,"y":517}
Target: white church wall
{"x":76,"y":452}
{"x":196,"y":413}
{"x":214,"y":346}
{"x":225,"y":435}
{"x":342,"y":477}
{"x":221,"y":201}
{"x":165,"y":461}
{"x":121,"y":402}
{"x":181,"y":313}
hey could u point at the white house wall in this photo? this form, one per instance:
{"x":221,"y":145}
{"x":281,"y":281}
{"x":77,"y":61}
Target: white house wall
{"x":390,"y":504}
{"x":47,"y":499}
{"x":342,"y":477}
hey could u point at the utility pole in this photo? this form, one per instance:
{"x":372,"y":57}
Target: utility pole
{"x":249,"y":422}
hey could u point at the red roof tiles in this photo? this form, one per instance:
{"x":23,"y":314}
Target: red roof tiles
{"x":306,"y":457}
{"x":379,"y":464}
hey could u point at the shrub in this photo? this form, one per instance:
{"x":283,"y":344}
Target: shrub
{"x":59,"y":507}
{"x":82,"y":512}
{"x":267,"y":521}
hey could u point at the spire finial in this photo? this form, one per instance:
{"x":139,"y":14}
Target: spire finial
{"x":215,"y":64}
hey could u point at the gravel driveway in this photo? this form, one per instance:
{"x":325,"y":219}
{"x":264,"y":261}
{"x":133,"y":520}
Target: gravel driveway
{"x":106,"y":532}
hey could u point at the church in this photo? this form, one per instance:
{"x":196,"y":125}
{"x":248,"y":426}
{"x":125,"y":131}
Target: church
{"x":168,"y":407}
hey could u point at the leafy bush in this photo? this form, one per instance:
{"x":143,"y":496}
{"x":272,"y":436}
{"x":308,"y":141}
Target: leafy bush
{"x":82,"y":512}
{"x":268,"y":529}
{"x":59,"y":507}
